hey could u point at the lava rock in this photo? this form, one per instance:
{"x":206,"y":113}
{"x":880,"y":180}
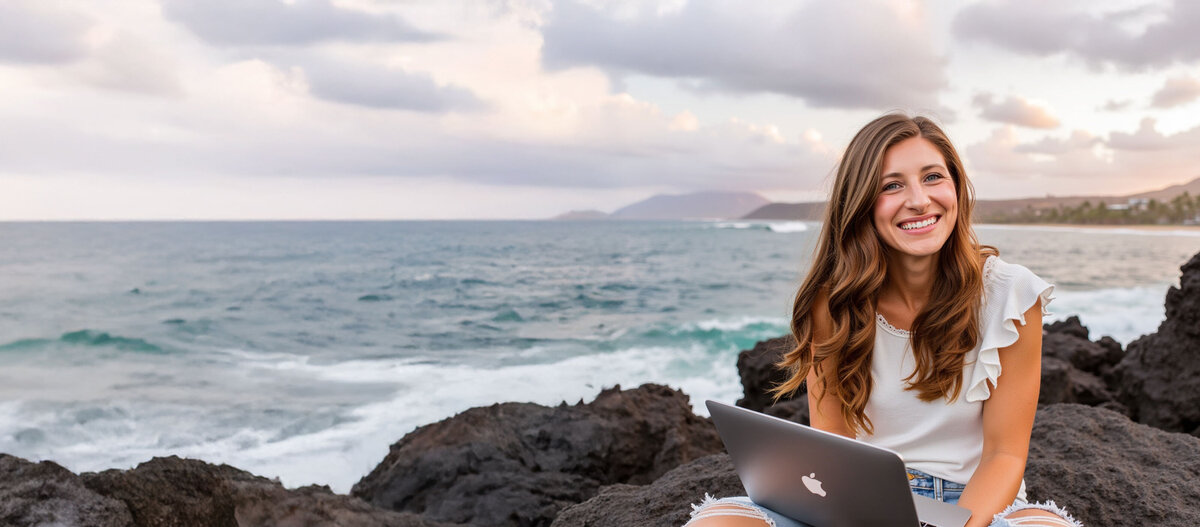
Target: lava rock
{"x":1064,"y":383}
{"x":756,"y":367}
{"x":662,"y":503}
{"x":521,"y":463}
{"x":1071,"y":326}
{"x":171,"y":491}
{"x":46,"y":494}
{"x":1159,"y":378}
{"x":1108,"y":470}
{"x":1088,"y":356}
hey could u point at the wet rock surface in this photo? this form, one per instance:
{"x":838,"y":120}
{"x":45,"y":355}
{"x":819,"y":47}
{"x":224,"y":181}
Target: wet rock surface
{"x":172,"y":491}
{"x":756,"y":367}
{"x":520,"y":464}
{"x":665,"y":502}
{"x":1159,"y":377}
{"x":47,"y":494}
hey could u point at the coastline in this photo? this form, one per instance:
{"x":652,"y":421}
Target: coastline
{"x":1092,"y":226}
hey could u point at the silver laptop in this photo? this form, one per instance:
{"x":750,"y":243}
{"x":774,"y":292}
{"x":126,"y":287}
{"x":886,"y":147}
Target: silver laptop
{"x":823,"y":479}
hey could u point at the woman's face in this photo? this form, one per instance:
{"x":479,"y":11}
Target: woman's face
{"x":917,"y":204}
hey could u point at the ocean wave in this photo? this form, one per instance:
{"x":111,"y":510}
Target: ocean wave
{"x":86,"y":338}
{"x":773,"y":226}
{"x":1121,"y":313}
{"x":338,"y":448}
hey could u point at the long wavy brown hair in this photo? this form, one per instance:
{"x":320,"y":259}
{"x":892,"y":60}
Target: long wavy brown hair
{"x":850,"y":268}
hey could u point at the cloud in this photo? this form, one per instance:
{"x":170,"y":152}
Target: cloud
{"x":1114,"y":105}
{"x":273,"y":22}
{"x":1131,"y":39}
{"x":1177,"y":91}
{"x":33,"y":33}
{"x":128,"y":63}
{"x":831,"y":54}
{"x":1014,"y":110}
{"x":1082,"y":163}
{"x":1145,"y":138}
{"x":1078,"y":140}
{"x":377,"y":86}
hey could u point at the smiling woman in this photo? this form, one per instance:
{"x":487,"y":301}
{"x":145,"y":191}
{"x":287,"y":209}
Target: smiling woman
{"x":903,"y":327}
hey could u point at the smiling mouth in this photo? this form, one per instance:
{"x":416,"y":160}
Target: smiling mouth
{"x":920,"y":224}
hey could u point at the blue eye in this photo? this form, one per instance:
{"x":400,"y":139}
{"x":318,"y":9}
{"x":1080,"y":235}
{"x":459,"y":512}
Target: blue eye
{"x":892,"y":185}
{"x":933,"y":175}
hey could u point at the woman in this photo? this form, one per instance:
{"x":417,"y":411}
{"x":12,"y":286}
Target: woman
{"x":904,"y":326}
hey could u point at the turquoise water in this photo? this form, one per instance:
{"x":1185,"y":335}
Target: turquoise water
{"x":302,"y":350}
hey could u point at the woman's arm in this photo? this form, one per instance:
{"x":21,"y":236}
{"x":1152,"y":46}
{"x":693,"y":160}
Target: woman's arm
{"x":827,"y":414}
{"x":1007,"y":423}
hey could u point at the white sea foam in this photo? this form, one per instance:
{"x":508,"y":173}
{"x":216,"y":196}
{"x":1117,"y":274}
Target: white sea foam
{"x":341,"y":455}
{"x":773,"y":226}
{"x":128,"y":432}
{"x":732,"y":324}
{"x":1124,"y":314}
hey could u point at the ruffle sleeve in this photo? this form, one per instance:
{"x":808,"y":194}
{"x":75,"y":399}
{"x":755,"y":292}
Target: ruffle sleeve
{"x":1009,"y":291}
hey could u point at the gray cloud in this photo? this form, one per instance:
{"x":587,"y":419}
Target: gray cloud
{"x":1131,"y":162}
{"x":1114,"y":105}
{"x":272,"y":22}
{"x":1078,"y":140}
{"x":831,"y":54}
{"x":380,"y":87}
{"x":1014,"y":110}
{"x":1177,"y":91}
{"x":36,"y":34}
{"x":1146,"y":138}
{"x":1047,"y":28}
{"x":413,"y":145}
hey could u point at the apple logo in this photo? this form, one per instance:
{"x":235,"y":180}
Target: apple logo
{"x":813,"y":484}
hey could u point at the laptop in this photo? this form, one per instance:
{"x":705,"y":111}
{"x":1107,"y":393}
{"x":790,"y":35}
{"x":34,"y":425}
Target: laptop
{"x":823,"y":479}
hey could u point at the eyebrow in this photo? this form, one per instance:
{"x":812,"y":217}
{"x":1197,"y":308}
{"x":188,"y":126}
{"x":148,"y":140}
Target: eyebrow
{"x":924,"y":168}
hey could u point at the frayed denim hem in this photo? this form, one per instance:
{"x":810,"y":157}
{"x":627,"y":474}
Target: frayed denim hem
{"x":1065,"y":518}
{"x":704,"y":510}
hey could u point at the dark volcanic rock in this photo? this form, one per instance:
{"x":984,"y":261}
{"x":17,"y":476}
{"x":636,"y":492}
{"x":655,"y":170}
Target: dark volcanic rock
{"x":1064,"y":383}
{"x":171,"y":491}
{"x":1160,"y":374}
{"x":520,"y":463}
{"x":757,"y":369}
{"x":662,"y":503}
{"x":48,"y":494}
{"x":1108,"y":470}
{"x":1071,"y":326}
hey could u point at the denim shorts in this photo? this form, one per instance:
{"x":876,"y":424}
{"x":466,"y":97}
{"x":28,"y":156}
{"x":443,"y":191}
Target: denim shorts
{"x":921,"y":483}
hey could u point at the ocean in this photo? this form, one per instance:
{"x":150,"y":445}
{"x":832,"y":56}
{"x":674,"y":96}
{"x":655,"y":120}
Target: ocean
{"x":301,"y":350}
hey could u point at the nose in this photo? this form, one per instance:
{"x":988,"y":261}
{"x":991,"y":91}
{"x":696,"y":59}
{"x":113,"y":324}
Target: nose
{"x":916,"y":199}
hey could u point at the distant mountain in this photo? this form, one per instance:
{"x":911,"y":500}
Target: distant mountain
{"x":697,"y":205}
{"x":582,"y":215}
{"x":809,"y":211}
{"x":983,"y":208}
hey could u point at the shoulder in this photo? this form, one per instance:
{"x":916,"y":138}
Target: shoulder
{"x":1000,"y":276}
{"x":1010,"y":292}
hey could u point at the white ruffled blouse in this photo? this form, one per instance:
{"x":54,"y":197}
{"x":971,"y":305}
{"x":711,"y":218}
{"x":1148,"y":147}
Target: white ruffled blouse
{"x":942,"y":438}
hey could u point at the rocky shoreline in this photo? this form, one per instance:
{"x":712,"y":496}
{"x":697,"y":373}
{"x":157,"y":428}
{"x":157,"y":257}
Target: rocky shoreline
{"x":1116,"y":440}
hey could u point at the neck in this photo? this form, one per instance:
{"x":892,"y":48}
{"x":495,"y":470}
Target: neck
{"x":910,"y":279}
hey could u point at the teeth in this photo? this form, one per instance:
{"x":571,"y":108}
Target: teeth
{"x":919,"y":224}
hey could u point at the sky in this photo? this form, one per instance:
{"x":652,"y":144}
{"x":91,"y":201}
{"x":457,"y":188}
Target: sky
{"x":514,"y":109}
